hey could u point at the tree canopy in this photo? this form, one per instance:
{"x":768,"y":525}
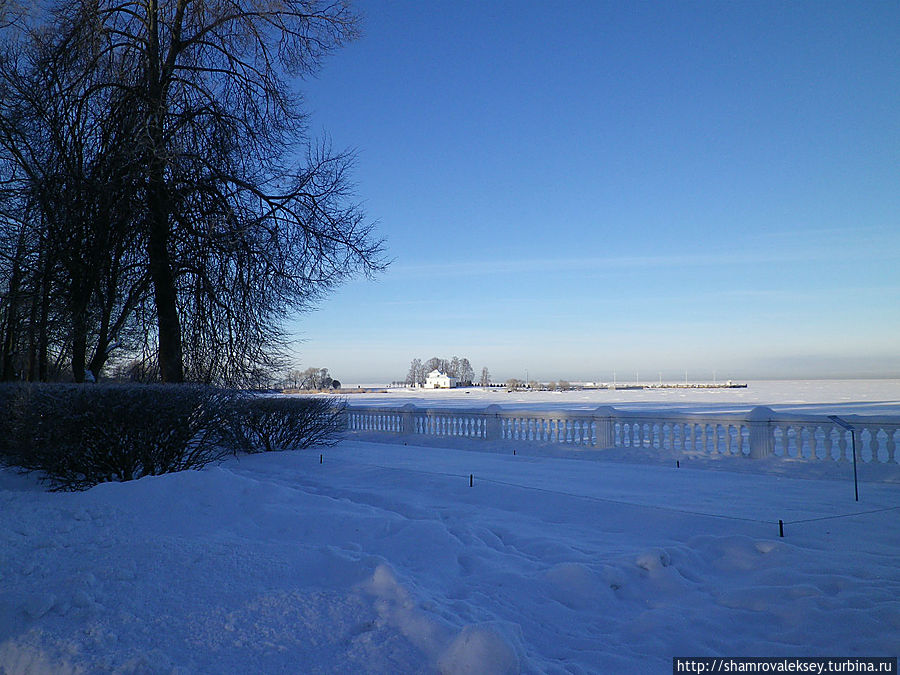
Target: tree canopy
{"x":160,"y":199}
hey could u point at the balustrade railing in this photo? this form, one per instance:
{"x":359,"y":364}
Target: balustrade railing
{"x":761,"y":433}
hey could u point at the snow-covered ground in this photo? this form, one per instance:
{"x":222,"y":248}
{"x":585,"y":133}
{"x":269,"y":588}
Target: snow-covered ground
{"x":383,"y":559}
{"x":862,"y":397}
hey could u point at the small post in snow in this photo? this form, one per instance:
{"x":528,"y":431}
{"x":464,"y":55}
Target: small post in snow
{"x":321,"y":459}
{"x":780,"y":528}
{"x":471,"y":479}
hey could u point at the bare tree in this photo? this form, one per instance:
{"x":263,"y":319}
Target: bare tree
{"x":12,"y":12}
{"x":67,"y":176}
{"x":222,"y":205}
{"x":293,"y":378}
{"x":415,"y":375}
{"x":434,"y":363}
{"x":184,"y":108}
{"x":315,"y":378}
{"x":466,"y":372}
{"x":485,"y":380}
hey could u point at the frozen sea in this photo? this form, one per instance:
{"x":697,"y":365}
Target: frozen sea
{"x":862,"y":397}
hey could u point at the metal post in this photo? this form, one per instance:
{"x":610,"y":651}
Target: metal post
{"x":849,"y":427}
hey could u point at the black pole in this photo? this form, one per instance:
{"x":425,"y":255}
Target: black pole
{"x":780,"y":528}
{"x":849,"y":427}
{"x":471,"y":479}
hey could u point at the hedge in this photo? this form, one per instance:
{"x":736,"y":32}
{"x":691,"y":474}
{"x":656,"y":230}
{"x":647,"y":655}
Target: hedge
{"x":81,"y":435}
{"x":77,"y":436}
{"x":266,"y":424}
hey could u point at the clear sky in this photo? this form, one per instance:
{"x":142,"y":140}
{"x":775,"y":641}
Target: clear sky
{"x":577,"y":188}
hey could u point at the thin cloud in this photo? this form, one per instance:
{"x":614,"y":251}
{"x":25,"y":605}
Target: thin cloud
{"x":544,"y":265}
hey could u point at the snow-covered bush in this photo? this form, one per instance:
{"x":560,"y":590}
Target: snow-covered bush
{"x":265,"y":424}
{"x":78,"y":436}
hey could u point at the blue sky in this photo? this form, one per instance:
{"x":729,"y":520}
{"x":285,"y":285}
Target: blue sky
{"x":577,"y":188}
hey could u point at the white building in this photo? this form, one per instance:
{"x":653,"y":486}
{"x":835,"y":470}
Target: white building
{"x":437,"y":380}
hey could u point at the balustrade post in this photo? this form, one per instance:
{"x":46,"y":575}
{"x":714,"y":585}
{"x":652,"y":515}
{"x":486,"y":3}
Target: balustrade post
{"x":604,"y":416}
{"x":408,"y":419}
{"x":492,"y":430}
{"x":762,"y":440}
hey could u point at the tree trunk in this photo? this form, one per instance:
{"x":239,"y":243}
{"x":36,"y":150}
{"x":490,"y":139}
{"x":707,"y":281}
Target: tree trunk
{"x":7,"y":342}
{"x":9,"y":336}
{"x":171,"y":367}
{"x":43,"y":324}
{"x":104,"y":338}
{"x":78,"y":307}
{"x":31,"y":370}
{"x":79,"y":348}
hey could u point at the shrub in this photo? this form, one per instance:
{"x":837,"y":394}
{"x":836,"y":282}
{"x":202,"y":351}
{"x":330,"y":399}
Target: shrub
{"x":81,"y":435}
{"x":10,"y":394}
{"x":273,"y":423}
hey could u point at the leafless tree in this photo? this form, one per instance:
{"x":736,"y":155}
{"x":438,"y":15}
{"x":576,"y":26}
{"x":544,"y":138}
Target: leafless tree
{"x":315,"y":378}
{"x":466,"y":372}
{"x":434,"y":363}
{"x":66,"y":198}
{"x":416,"y":374}
{"x":185,"y":113}
{"x":223,"y":203}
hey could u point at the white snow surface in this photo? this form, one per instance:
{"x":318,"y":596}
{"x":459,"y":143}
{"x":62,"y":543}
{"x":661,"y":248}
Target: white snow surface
{"x":382,"y":559}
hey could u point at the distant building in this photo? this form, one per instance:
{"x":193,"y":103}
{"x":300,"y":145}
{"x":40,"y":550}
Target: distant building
{"x":438,"y":380}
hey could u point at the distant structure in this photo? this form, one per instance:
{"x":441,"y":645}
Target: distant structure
{"x":698,"y":385}
{"x":438,"y":380}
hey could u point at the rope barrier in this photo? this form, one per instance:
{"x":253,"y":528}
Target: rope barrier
{"x":843,"y":515}
{"x":621,"y":502}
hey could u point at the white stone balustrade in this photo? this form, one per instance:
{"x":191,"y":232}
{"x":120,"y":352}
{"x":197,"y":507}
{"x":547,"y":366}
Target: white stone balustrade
{"x":758,"y":434}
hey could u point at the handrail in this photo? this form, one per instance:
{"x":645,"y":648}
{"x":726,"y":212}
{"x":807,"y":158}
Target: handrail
{"x":758,"y":434}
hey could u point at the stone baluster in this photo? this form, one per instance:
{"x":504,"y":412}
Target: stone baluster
{"x":762,"y":440}
{"x":606,"y":427}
